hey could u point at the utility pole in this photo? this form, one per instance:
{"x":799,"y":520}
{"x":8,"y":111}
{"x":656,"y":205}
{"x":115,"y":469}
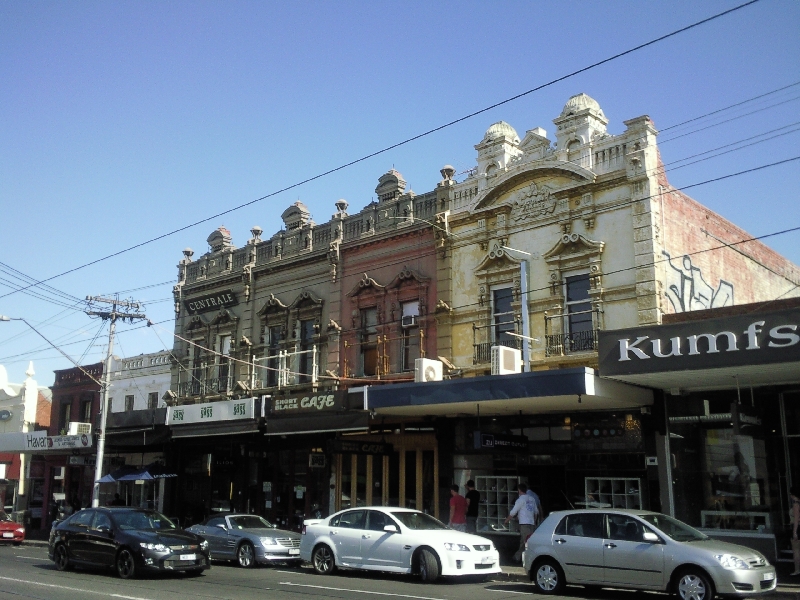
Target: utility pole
{"x":113,"y":314}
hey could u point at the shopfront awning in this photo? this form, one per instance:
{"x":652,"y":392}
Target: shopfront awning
{"x":561,"y":390}
{"x":357,"y":420}
{"x":218,"y":428}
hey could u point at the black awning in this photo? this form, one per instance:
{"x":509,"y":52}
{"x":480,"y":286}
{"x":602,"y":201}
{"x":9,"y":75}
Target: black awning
{"x":219,"y":428}
{"x":319,"y":423}
{"x":136,"y":418}
{"x":140,"y":436}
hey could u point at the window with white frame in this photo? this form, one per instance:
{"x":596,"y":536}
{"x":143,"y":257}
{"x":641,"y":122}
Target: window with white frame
{"x":578,"y":317}
{"x":197,"y":367}
{"x":274,"y":335}
{"x":306,"y":362}
{"x":223,"y":359}
{"x":503,"y":318}
{"x":369,"y":341}
{"x":410,"y":333}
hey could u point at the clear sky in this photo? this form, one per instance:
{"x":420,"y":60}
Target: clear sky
{"x":122,"y":121}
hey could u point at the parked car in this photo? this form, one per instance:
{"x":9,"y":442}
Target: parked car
{"x":129,"y":540}
{"x":248,"y":539}
{"x":642,"y":550}
{"x":10,"y":530}
{"x":398,"y":540}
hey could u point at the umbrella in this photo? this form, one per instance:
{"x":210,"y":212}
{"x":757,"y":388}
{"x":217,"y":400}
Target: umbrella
{"x":131,"y":473}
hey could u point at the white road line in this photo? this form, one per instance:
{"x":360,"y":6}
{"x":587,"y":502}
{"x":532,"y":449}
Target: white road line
{"x":289,"y":572}
{"x":322,"y":587}
{"x":29,"y":557}
{"x":71,"y":589}
{"x":507,"y":591}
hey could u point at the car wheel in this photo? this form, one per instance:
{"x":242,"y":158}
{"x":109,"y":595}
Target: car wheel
{"x":428,"y":565}
{"x":322,"y":560}
{"x":61,"y":558}
{"x":246,"y":555}
{"x":126,"y":567}
{"x":693,"y":584}
{"x":548,"y":577}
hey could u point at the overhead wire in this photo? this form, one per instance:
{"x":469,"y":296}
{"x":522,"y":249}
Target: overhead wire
{"x":410,"y":139}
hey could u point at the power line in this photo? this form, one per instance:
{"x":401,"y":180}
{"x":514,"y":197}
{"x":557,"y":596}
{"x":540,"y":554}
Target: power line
{"x":410,"y":139}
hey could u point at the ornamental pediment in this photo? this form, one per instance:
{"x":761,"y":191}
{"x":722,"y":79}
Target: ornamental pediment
{"x":365,"y":283}
{"x":497,"y":258}
{"x":272,"y":304}
{"x":573,"y":244}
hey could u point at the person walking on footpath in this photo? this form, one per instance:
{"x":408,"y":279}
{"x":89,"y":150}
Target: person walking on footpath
{"x":473,"y":499}
{"x":458,"y":510}
{"x":539,"y":513}
{"x":794,"y":493}
{"x":525,"y":511}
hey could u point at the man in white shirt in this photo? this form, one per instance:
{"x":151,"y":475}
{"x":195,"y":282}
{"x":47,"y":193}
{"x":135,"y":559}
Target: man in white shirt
{"x":525,"y":511}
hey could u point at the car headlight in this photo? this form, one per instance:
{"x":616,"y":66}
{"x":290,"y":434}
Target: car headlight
{"x":20,"y":530}
{"x":154,"y":547}
{"x":456,"y":547}
{"x":204,"y":545}
{"x":729,"y":561}
{"x":268,"y":541}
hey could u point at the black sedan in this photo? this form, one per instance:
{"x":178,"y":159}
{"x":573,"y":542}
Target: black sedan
{"x":128,"y":539}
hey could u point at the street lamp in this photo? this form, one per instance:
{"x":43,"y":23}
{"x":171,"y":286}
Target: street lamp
{"x":523,"y":290}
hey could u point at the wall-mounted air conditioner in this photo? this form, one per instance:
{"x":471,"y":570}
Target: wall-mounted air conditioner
{"x":78,"y":428}
{"x":426,"y":369}
{"x":409,"y":320}
{"x":506,"y":360}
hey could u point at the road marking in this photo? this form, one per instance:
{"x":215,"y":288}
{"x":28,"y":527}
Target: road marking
{"x":507,"y":591}
{"x":71,"y":589}
{"x":322,"y":587}
{"x":289,"y":572}
{"x":29,"y":557}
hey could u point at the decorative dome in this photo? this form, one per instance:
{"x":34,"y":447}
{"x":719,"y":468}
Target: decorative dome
{"x":501,"y":129}
{"x":581,"y":102}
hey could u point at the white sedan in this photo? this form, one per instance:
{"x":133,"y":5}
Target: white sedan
{"x":398,"y":540}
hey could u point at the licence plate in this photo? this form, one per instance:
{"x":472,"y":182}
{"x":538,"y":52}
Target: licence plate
{"x":487,"y":560}
{"x":8,"y":534}
{"x":768,"y":576}
{"x":188,"y":556}
{"x":294,"y":551}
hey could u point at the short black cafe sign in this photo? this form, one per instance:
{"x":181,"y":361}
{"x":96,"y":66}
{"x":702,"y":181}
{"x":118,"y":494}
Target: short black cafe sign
{"x":207,"y":302}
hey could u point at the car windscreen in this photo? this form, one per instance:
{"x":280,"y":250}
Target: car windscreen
{"x":142,"y":519}
{"x":677,"y":530}
{"x":249,"y":522}
{"x":418,"y":520}
{"x":4,"y":516}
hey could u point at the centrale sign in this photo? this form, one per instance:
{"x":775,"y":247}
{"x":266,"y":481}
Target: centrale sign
{"x":734,"y":341}
{"x":215,"y":301}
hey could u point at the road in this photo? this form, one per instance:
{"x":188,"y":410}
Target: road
{"x":27,"y":573}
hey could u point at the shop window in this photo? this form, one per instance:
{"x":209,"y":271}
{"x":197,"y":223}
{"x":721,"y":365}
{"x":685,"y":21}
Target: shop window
{"x":152,"y":400}
{"x":223,"y":359}
{"x":128,"y":403}
{"x":274,"y":336}
{"x":410,"y":334}
{"x":503,"y":317}
{"x":369,"y":341}
{"x":306,"y":362}
{"x":578,"y":315}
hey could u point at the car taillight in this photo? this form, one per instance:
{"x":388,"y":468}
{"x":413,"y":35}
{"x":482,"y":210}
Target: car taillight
{"x":303,"y":530}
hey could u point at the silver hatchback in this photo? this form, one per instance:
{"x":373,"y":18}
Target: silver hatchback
{"x":641,"y":550}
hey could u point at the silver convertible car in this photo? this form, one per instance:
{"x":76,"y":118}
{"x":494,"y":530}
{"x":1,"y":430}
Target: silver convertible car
{"x":248,"y":539}
{"x":641,"y":550}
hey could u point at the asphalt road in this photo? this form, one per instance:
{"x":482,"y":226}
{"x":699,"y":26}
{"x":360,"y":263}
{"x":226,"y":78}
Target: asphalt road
{"x":27,"y":573}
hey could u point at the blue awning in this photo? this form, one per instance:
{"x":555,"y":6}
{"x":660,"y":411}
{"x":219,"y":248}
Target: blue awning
{"x":558,"y":390}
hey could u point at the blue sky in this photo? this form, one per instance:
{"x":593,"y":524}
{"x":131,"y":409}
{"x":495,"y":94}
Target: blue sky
{"x":122,"y":121}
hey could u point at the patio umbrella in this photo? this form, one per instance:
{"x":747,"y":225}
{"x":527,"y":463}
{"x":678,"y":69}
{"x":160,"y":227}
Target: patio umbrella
{"x":154,"y":471}
{"x":117,"y":475}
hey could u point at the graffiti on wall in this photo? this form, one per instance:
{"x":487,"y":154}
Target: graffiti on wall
{"x":687,"y":290}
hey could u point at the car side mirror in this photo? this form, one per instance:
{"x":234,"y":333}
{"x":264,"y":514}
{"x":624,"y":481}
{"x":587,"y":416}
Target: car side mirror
{"x":391,"y":529}
{"x":651,"y":537}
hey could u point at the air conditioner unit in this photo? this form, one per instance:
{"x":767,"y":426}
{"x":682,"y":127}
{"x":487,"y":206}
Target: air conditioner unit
{"x":58,"y":472}
{"x":409,"y":320}
{"x":77,"y":428}
{"x":506,"y":360}
{"x":426,"y":369}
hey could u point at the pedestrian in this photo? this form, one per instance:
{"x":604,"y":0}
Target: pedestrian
{"x":525,"y":511}
{"x":794,"y":493}
{"x":539,"y":514}
{"x":473,"y":499}
{"x":458,"y":510}
{"x":117,"y":501}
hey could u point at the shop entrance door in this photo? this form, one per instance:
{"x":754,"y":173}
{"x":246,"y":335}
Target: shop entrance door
{"x":405,"y":478}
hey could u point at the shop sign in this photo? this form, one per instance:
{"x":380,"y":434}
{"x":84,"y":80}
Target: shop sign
{"x":316,"y":460}
{"x":358,"y":447}
{"x":495,"y":441}
{"x":215,"y":301}
{"x":85,"y":461}
{"x":713,"y":343}
{"x":43,"y":443}
{"x":308,"y":403}
{"x":211,"y":412}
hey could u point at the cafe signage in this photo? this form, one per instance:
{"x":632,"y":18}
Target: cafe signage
{"x":207,"y":302}
{"x":358,"y":447}
{"x":714,"y":343}
{"x":35,"y":442}
{"x":308,"y":403}
{"x":211,"y":412}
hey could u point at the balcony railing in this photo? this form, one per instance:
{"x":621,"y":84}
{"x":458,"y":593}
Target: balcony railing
{"x":206,"y":387}
{"x":570,"y":343}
